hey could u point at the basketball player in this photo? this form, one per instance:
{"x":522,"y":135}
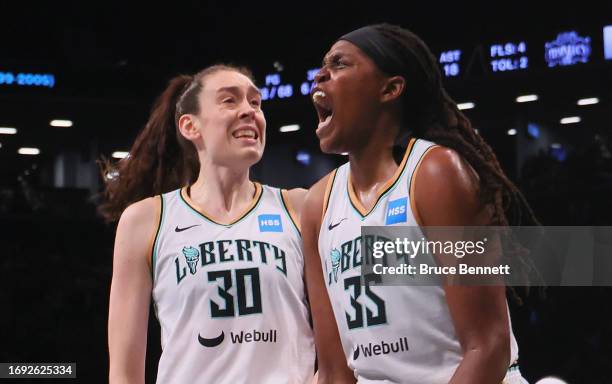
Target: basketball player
{"x":219,"y":254}
{"x":378,"y":84}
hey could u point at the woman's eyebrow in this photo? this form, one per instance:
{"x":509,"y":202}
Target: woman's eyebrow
{"x":230,"y":89}
{"x":236,"y":90}
{"x":331,"y":56}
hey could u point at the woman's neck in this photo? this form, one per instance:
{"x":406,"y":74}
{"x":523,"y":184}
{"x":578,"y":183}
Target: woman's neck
{"x":373,"y":164}
{"x":222,"y":189}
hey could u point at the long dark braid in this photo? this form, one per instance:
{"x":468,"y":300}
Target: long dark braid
{"x":431,"y":114}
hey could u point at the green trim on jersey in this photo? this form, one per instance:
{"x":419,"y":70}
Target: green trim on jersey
{"x":280,"y":194}
{"x":201,"y":215}
{"x":328,"y":194}
{"x":388,"y":190}
{"x":425,"y":152}
{"x":159,"y":227}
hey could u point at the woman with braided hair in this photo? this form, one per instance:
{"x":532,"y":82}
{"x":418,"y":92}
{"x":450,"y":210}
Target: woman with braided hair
{"x":219,"y":254}
{"x":380,"y":85}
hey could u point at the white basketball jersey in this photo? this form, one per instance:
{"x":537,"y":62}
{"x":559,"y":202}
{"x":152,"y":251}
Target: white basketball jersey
{"x":230,"y":299}
{"x":390,"y":334}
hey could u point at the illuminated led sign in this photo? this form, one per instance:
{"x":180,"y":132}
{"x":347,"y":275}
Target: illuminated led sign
{"x":22,"y":79}
{"x":567,"y":49}
{"x":508,"y":56}
{"x":450,"y":62}
{"x":607,"y":38}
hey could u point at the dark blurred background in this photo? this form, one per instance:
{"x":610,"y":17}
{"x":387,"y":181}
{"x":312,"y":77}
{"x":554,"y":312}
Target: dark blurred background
{"x":100,"y":66}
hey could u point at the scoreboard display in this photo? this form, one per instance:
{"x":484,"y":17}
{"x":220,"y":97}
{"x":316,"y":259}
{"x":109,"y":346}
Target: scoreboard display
{"x":274,"y":88}
{"x":549,"y":51}
{"x":519,"y":57}
{"x":24,"y":79}
{"x":508,"y":56}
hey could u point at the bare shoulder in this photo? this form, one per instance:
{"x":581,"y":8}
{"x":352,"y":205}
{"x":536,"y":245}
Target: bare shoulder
{"x":296,"y":197}
{"x":141,"y":213}
{"x":446,"y":189}
{"x":447,"y":166}
{"x":137,"y":228}
{"x":316,"y":194}
{"x":314,"y":201}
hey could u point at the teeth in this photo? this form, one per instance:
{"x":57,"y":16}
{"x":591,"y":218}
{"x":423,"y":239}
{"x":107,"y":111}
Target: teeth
{"x":318,"y":95}
{"x":245,"y":133}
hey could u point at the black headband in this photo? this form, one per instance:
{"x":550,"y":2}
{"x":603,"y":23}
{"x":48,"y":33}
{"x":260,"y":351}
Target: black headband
{"x":379,"y":48}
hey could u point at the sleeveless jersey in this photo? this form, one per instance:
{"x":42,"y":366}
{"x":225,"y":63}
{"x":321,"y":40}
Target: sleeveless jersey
{"x":230,"y":299}
{"x":391,"y":334}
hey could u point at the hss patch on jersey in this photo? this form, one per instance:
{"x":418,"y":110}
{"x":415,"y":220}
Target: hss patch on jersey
{"x":397,"y":211}
{"x":270,"y":223}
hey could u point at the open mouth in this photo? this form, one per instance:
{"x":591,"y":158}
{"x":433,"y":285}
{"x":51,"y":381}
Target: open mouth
{"x":246,"y":133}
{"x":323,"y":107}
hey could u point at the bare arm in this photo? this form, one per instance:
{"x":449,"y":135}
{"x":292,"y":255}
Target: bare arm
{"x":330,"y":355}
{"x":296,"y":197}
{"x":446,"y":194}
{"x":131,"y":292}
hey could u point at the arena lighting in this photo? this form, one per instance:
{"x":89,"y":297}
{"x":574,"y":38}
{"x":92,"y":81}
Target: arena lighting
{"x":570,"y":120}
{"x":526,"y":98}
{"x":120,"y":155}
{"x":303,"y":157}
{"x":607,"y":32}
{"x":511,"y":132}
{"x":533,"y":130}
{"x":551,"y":380}
{"x":289,"y":128}
{"x":588,"y":101}
{"x":8,"y":131}
{"x":61,"y":123}
{"x":28,"y":151}
{"x":463,"y":106}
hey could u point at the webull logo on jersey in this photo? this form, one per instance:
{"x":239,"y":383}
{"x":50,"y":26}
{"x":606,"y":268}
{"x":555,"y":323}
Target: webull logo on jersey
{"x":397,"y":211}
{"x":270,"y":223}
{"x":241,"y":337}
{"x":253,"y":337}
{"x":379,"y":349}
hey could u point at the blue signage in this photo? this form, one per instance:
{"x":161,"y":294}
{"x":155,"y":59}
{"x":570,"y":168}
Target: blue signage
{"x":607,"y":31}
{"x":509,"y":56}
{"x":308,"y":85}
{"x":450,"y":62}
{"x":567,"y":49}
{"x":274,"y":89}
{"x":45,"y":80}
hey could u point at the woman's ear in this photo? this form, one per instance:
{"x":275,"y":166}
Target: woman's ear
{"x":393,"y":88}
{"x":189,"y":127}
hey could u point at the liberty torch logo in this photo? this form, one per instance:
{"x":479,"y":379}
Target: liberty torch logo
{"x":192,"y":256}
{"x":335,"y":263}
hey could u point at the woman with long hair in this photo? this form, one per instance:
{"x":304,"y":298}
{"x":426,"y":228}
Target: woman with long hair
{"x":380,"y":86}
{"x":219,"y":254}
